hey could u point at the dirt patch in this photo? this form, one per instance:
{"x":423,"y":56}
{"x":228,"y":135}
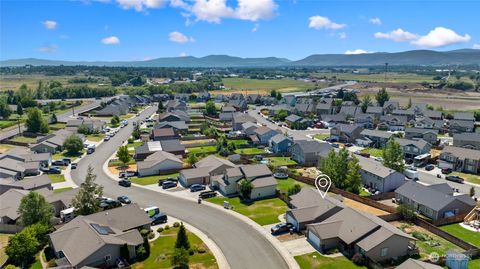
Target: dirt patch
{"x":363,"y":207}
{"x":311,"y":172}
{"x":290,"y":237}
{"x":202,"y":141}
{"x":117,"y":169}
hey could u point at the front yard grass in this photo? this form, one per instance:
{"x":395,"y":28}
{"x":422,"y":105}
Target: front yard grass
{"x":65,"y":154}
{"x":321,"y":136}
{"x":24,"y":139}
{"x":468,"y":177}
{"x":148,"y":180}
{"x":62,"y":189}
{"x":284,"y":185}
{"x":95,"y":137}
{"x":280,"y":161}
{"x":316,"y":260}
{"x":3,"y":245}
{"x":239,"y":142}
{"x":263,"y":212}
{"x":56,"y":178}
{"x":204,"y":149}
{"x":57,"y":126}
{"x":458,"y":231}
{"x":250,"y":151}
{"x":135,"y":144}
{"x":373,"y":152}
{"x":474,"y":264}
{"x":162,"y":248}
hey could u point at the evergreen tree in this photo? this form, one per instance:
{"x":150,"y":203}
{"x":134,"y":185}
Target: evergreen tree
{"x":182,"y":238}
{"x":5,"y":110}
{"x":160,"y":107}
{"x":180,"y":259}
{"x":245,"y":188}
{"x":192,"y":158}
{"x":54,"y":119}
{"x":85,"y":201}
{"x":366,"y":102}
{"x":19,"y":109}
{"x":382,"y":97}
{"x":393,"y":156}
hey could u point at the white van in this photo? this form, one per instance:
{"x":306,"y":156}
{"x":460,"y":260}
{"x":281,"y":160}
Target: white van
{"x":411,"y":174}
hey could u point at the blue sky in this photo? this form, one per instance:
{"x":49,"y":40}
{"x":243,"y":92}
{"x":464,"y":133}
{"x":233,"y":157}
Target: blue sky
{"x":145,"y":29}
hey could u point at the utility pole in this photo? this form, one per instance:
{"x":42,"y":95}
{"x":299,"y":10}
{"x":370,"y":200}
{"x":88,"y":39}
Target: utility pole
{"x":386,"y":71}
{"x":19,"y":129}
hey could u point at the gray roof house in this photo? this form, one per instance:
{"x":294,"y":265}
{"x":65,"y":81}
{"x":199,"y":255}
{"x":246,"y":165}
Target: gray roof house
{"x":352,"y":231}
{"x":461,"y":126}
{"x":241,"y":118}
{"x":460,"y":159}
{"x":160,"y":161}
{"x":172,"y":146}
{"x":176,"y":105}
{"x":366,"y":120}
{"x":467,"y":140}
{"x":180,"y":127}
{"x":90,"y":124}
{"x":216,"y":165}
{"x":464,"y":116}
{"x":376,"y":176}
{"x":413,"y":147}
{"x":334,"y":119}
{"x":95,"y":240}
{"x":249,"y":128}
{"x":346,"y":132}
{"x":174,"y":115}
{"x":309,"y":153}
{"x":378,"y":138}
{"x":434,"y":201}
{"x":264,"y":134}
{"x":429,"y":135}
{"x":199,"y":175}
{"x":392,"y":123}
{"x":375,"y":110}
{"x":390,"y":106}
{"x":29,"y":184}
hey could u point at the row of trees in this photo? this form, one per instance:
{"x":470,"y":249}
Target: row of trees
{"x":343,"y":170}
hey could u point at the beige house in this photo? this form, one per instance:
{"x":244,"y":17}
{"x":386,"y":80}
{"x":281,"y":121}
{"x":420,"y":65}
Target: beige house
{"x":157,"y":162}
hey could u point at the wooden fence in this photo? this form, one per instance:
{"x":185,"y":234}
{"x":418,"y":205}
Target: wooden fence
{"x":454,"y":219}
{"x":10,"y":228}
{"x":382,"y":196}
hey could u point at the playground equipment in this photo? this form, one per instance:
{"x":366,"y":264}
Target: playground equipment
{"x":473,"y":218}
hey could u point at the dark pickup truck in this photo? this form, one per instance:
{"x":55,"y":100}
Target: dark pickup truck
{"x":207,"y":194}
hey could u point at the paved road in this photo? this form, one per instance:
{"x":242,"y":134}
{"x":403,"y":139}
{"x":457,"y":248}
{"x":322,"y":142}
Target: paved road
{"x":241,"y":244}
{"x":430,"y":177}
{"x":60,"y":117}
{"x":336,"y":87}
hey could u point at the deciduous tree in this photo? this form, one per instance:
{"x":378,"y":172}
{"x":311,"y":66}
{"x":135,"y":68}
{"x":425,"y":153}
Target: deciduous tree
{"x":382,"y":97}
{"x":33,"y":209}
{"x":123,"y":155}
{"x":73,"y":144}
{"x":393,"y":156}
{"x":245,"y":188}
{"x":35,"y":122}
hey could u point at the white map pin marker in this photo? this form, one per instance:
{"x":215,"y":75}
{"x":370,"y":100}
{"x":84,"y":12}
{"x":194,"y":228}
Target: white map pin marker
{"x":323,"y":182}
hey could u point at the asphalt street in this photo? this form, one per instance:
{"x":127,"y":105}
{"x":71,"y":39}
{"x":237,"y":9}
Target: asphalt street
{"x":241,"y":244}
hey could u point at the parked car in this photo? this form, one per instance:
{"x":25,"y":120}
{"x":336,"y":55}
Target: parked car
{"x":73,"y":166}
{"x":167,"y":184}
{"x":378,"y":159}
{"x":207,"y":194}
{"x":124,"y":199}
{"x":159,"y":218}
{"x":446,"y":171}
{"x":54,"y":170}
{"x":67,"y":161}
{"x":348,"y":145}
{"x":455,"y":179}
{"x":90,"y":150}
{"x":58,"y":163}
{"x":197,"y":187}
{"x":106,"y":138}
{"x":126,"y":174}
{"x":429,"y":167}
{"x":125,"y":182}
{"x":110,"y":203}
{"x":281,"y":228}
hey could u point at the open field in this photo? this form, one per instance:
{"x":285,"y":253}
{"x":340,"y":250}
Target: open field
{"x":263,"y":87}
{"x":13,"y":82}
{"x":263,"y":212}
{"x":380,"y":77}
{"x":317,"y":260}
{"x":162,"y":249}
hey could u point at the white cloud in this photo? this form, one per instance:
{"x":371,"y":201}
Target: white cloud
{"x":398,"y":35}
{"x":183,"y":54}
{"x":48,"y":49}
{"x":140,"y":5}
{"x":49,"y":24}
{"x":319,"y":22}
{"x":111,"y":40}
{"x":211,"y":10}
{"x":375,"y":21}
{"x":255,"y":27}
{"x":440,"y":37}
{"x":342,"y":35}
{"x":254,"y":10}
{"x":476,"y":46}
{"x":178,"y":37}
{"x":357,"y":51}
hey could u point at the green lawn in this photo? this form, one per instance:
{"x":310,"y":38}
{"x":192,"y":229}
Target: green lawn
{"x":316,"y":260}
{"x":65,"y":154}
{"x":321,"y":136}
{"x":474,"y":264}
{"x":24,"y":139}
{"x":263,"y":212}
{"x":57,"y":126}
{"x":280,"y":161}
{"x":250,"y":151}
{"x":468,"y":177}
{"x":462,"y":233}
{"x":95,"y":137}
{"x":36,"y":264}
{"x":162,"y":248}
{"x":4,"y":148}
{"x":7,"y":123}
{"x":373,"y":152}
{"x":62,"y":189}
{"x":3,"y":245}
{"x":151,"y":179}
{"x":128,"y":116}
{"x":284,"y":185}
{"x":239,"y":142}
{"x":56,"y":178}
{"x":204,"y":149}
{"x":135,"y":144}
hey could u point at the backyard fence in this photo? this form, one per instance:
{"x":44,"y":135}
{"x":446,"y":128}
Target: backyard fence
{"x":10,"y":228}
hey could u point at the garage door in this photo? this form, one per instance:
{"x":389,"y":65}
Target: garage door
{"x":293,"y":221}
{"x":314,"y":240}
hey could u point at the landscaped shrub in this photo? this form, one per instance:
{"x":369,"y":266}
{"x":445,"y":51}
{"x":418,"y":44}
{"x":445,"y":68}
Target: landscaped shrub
{"x":144,"y":232}
{"x":358,"y":259}
{"x":176,"y":224}
{"x":160,"y":229}
{"x":151,"y":235}
{"x":130,"y":140}
{"x":201,"y":250}
{"x":167,"y":227}
{"x":421,"y":236}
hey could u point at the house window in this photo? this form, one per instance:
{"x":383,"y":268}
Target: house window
{"x":384,"y":252}
{"x":108,"y":258}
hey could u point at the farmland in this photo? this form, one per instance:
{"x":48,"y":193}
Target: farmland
{"x":9,"y":82}
{"x":260,"y":86}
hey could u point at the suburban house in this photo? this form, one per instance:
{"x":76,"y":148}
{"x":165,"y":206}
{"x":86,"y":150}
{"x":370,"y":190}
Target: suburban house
{"x":93,"y":125}
{"x":461,"y":126}
{"x":249,"y":128}
{"x":253,"y":98}
{"x":409,"y":114}
{"x":158,"y":162}
{"x":291,"y":119}
{"x":375,"y":175}
{"x":378,"y":138}
{"x":203,"y":96}
{"x":467,"y":140}
{"x":199,"y":175}
{"x":334,"y":119}
{"x":375,"y":110}
{"x":180,"y":127}
{"x":226,"y":113}
{"x":460,"y":159}
{"x":309,"y":207}
{"x":238,"y":104}
{"x":352,"y":231}
{"x":290,"y":100}
{"x":324,"y":108}
{"x":164,"y":134}
{"x":429,"y":135}
{"x":280,"y":143}
{"x":174,"y":115}
{"x":350,"y":111}
{"x":392,"y":123}
{"x":468,"y":116}
{"x":264,"y":185}
{"x":366,"y":120}
{"x":17,"y":166}
{"x":346,"y":133}
{"x":264,"y":134}
{"x":416,"y":264}
{"x":115,"y":108}
{"x":390,"y":106}
{"x":239,"y":119}
{"x":432,"y":114}
{"x":28,"y":184}
{"x":434,"y":201}
{"x":308,"y":153}
{"x":176,"y":105}
{"x":96,"y":240}
{"x":215,"y":165}
{"x":53,"y":142}
{"x":413,"y":147}
{"x":150,"y":147}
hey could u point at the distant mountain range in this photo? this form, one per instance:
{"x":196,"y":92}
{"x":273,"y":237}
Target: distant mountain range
{"x":413,"y":57}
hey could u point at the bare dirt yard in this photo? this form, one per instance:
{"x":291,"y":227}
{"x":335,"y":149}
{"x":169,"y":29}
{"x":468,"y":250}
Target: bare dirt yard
{"x":363,"y":207}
